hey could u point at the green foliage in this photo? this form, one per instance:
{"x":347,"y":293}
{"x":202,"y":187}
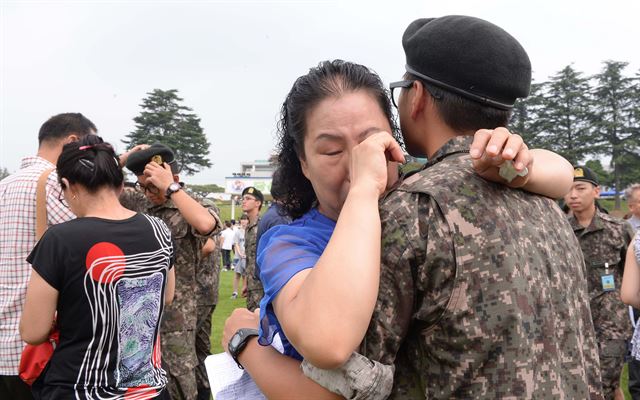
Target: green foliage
{"x":525,"y":117}
{"x":604,"y":177}
{"x":164,"y":119}
{"x":615,"y":118}
{"x":225,"y":307}
{"x":579,"y":117}
{"x":206,"y":189}
{"x":564,"y":117}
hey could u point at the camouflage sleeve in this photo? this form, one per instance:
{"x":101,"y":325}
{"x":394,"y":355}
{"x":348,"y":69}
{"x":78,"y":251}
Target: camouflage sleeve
{"x":402,"y":243}
{"x":218,"y":227}
{"x":370,"y":374}
{"x":358,"y":379}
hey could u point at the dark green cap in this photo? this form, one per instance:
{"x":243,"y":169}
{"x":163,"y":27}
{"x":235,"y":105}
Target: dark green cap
{"x":582,"y":173}
{"x":157,"y":152}
{"x":253,"y":192}
{"x":470,"y":57}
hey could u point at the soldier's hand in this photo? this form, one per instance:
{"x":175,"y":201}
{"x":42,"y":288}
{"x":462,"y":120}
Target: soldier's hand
{"x":239,"y":318}
{"x":122,"y":160}
{"x":491,"y":148}
{"x":369,"y":161}
{"x":160,"y":176}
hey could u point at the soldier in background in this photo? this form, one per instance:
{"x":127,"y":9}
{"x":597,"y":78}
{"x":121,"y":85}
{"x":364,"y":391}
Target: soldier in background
{"x":604,"y":240}
{"x":191,"y":226}
{"x":252,"y":200}
{"x":208,"y":278}
{"x":134,"y":198}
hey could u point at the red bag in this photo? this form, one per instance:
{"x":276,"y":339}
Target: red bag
{"x":35,"y":357}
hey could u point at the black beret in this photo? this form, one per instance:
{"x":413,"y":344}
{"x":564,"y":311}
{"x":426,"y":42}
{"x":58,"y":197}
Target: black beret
{"x":253,"y":192}
{"x":138,"y":160}
{"x":468,"y":56}
{"x":581,"y":173}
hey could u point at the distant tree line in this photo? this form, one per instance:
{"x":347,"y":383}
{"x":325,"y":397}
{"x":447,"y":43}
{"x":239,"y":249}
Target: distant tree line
{"x":586,"y":119}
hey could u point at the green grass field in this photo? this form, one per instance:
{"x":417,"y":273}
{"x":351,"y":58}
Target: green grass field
{"x":224,"y":308}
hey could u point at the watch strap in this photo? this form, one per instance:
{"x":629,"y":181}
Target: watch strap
{"x":174,"y":187}
{"x":245,"y":334}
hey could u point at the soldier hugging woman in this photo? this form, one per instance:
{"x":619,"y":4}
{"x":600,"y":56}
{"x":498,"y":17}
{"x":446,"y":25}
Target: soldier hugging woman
{"x":466,"y":297}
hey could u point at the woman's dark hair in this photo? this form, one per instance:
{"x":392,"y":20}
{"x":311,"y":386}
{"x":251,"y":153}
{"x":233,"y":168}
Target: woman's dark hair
{"x":462,"y":114}
{"x":91,"y":163}
{"x":328,"y":79}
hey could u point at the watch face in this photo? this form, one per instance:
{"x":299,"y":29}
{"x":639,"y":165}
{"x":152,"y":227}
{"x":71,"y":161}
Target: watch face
{"x":174,"y":186}
{"x":234,"y":342}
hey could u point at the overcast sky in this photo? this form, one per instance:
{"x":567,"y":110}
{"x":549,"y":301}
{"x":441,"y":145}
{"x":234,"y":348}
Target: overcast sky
{"x":233,"y":62}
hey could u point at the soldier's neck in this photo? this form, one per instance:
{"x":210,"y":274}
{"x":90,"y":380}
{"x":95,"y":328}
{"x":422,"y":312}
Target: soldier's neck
{"x":253,"y":215}
{"x":585,"y":217}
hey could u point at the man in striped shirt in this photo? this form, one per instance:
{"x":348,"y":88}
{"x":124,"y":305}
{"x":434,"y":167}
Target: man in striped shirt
{"x":17,"y":236}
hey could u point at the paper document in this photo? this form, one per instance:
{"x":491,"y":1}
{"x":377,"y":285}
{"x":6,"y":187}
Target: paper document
{"x":228,"y":381}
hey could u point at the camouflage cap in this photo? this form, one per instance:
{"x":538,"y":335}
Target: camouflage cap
{"x":157,"y":152}
{"x":581,"y":173}
{"x":254,"y":192}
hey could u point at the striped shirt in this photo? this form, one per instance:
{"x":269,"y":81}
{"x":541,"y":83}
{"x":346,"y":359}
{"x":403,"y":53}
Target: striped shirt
{"x":17,"y":238}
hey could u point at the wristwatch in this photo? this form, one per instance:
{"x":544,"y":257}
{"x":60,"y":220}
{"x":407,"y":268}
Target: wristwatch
{"x":239,"y":341}
{"x":174,"y":187}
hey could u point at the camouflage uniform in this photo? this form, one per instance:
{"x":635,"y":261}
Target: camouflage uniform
{"x":473,"y":300}
{"x":134,"y":200}
{"x":178,"y":330}
{"x":606,"y":240}
{"x":254,"y":286}
{"x":208,"y":276}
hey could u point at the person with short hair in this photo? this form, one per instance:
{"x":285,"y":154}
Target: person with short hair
{"x":274,"y":215}
{"x":632,"y":193}
{"x":252,"y":200}
{"x":191,"y":225}
{"x":226,"y":244}
{"x":105,"y":277}
{"x":604,"y":240}
{"x":18,"y":235}
{"x":239,"y":251}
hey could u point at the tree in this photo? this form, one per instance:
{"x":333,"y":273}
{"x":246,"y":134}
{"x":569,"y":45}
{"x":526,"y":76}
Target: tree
{"x":525,"y":116}
{"x":564,"y":116}
{"x":616,"y":118}
{"x":164,"y":119}
{"x":604,"y":177}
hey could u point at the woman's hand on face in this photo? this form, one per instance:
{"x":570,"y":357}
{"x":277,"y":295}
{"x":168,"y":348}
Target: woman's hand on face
{"x":369,"y":161}
{"x":239,"y":318}
{"x":159,"y":176}
{"x":491,"y":148}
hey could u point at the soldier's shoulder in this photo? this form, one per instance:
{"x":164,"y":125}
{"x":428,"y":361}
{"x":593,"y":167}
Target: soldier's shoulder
{"x":613,"y":221}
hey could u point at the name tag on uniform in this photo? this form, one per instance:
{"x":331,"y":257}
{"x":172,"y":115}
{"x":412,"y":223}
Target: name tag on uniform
{"x":608,"y":284}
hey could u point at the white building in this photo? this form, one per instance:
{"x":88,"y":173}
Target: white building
{"x":257,"y":173}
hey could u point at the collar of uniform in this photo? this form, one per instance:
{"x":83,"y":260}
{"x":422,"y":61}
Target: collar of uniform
{"x":254,"y":224}
{"x":595,"y":225}
{"x":458,"y":144}
{"x":167,"y":204}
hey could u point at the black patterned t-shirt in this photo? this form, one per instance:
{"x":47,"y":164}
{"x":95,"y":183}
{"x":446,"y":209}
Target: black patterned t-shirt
{"x":110,"y":276}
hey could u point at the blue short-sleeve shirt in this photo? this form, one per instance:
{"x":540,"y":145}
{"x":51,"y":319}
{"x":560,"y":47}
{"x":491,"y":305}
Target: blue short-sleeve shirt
{"x":284,"y":251}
